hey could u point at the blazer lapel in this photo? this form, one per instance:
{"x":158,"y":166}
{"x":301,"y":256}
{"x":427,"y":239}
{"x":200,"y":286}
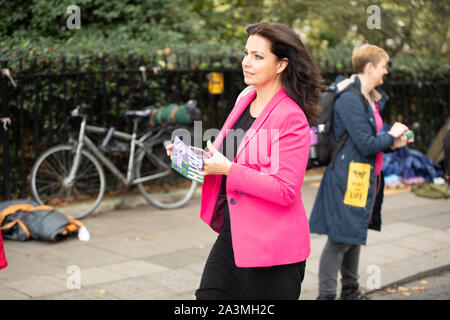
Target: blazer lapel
{"x":233,"y":117}
{"x":276,"y":99}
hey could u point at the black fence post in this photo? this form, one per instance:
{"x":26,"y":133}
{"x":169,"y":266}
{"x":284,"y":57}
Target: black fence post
{"x":21,"y":138}
{"x":4,"y":135}
{"x":36,"y":112}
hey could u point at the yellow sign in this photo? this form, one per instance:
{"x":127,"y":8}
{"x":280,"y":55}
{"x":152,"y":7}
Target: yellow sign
{"x":215,"y":85}
{"x":357,"y":184}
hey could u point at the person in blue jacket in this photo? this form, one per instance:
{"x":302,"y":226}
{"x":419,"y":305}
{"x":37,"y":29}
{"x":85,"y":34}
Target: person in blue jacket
{"x":346,"y":197}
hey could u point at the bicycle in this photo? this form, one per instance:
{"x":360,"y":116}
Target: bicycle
{"x":71,"y":175}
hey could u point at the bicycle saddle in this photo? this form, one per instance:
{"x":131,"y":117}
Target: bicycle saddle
{"x":138,"y":113}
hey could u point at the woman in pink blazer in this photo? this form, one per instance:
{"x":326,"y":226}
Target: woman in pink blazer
{"x":251,"y":195}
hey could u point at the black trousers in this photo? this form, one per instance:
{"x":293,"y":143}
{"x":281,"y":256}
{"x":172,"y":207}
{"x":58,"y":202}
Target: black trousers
{"x":222,"y":280}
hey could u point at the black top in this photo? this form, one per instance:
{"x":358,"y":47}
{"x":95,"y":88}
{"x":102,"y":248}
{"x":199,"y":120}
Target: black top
{"x":232,"y":140}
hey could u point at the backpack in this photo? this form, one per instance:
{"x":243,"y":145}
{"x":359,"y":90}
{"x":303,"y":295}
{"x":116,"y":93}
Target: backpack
{"x":324,"y":147}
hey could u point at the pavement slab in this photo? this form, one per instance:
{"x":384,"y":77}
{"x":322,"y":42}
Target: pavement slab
{"x":141,"y":252}
{"x":38,"y":286}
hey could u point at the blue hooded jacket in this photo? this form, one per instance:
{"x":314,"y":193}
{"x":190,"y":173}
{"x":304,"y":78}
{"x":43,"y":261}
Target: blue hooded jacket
{"x":341,"y":222}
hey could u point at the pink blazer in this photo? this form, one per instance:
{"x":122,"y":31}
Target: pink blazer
{"x":3,"y":262}
{"x":267,"y":218}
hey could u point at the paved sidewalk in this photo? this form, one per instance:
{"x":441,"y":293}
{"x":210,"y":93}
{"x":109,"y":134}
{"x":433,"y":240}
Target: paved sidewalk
{"x":145,"y":253}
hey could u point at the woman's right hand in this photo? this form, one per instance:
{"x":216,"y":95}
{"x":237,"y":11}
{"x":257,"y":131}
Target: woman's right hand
{"x":398,"y":129}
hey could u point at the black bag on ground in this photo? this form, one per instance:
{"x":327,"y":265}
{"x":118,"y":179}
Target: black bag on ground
{"x":25,"y":219}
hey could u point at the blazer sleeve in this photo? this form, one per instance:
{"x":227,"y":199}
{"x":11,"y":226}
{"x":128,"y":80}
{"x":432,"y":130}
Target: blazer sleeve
{"x":284,"y":184}
{"x":354,"y":118}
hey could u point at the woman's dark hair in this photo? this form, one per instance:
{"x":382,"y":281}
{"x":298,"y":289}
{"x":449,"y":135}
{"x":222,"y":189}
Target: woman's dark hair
{"x":301,"y":78}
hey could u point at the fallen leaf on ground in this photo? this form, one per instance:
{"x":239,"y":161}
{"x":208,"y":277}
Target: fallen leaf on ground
{"x":202,"y":246}
{"x":101,"y":291}
{"x":149,"y":237}
{"x":418,"y":288}
{"x":402,"y":288}
{"x":406,"y":294}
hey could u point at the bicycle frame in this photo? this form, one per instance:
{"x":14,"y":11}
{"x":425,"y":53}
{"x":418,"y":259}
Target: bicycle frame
{"x":85,"y":141}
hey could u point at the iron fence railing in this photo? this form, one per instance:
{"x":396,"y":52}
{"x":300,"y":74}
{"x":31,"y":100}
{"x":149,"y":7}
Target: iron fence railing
{"x":39,"y":104}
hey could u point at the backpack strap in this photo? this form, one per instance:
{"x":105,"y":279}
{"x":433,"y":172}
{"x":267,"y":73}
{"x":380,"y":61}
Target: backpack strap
{"x":171,"y":117}
{"x":358,"y":93}
{"x":344,"y":137}
{"x":152,"y":116}
{"x":338,"y":148}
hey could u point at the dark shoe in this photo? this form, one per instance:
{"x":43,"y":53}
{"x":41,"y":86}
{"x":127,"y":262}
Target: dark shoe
{"x":352,"y":293}
{"x":326,"y":297}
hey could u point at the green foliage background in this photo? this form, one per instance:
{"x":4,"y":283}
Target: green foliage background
{"x":197,"y":36}
{"x":409,"y":28}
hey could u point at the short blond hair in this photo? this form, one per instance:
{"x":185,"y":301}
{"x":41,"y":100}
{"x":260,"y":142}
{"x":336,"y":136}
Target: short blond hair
{"x":367,"y":53}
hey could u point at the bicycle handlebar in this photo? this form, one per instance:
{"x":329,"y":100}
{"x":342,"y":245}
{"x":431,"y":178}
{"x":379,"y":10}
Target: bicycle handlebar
{"x":77,"y":111}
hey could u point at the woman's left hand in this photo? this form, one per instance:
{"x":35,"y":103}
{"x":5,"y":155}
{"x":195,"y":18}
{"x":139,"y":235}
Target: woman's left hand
{"x":217,"y":164}
{"x":400,"y":142}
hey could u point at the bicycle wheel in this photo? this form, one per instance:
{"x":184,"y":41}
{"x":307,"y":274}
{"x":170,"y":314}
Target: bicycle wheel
{"x":77,"y":199}
{"x":167,"y":189}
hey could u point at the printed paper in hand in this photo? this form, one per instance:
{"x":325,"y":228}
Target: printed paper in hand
{"x":185,"y":161}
